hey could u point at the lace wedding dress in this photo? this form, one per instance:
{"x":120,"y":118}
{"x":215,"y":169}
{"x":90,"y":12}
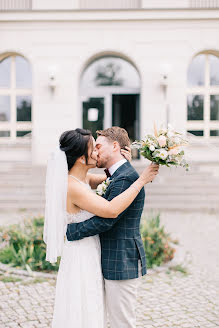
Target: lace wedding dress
{"x":79,"y":300}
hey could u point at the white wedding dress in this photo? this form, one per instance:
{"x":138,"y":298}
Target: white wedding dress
{"x":79,"y":300}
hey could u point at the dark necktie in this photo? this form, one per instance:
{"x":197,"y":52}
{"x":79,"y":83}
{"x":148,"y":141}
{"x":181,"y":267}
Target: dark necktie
{"x":107,"y":173}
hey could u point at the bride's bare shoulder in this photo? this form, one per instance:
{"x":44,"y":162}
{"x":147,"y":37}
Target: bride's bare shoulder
{"x":76,"y":187}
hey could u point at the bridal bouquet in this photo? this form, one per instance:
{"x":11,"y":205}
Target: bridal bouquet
{"x":164,"y":147}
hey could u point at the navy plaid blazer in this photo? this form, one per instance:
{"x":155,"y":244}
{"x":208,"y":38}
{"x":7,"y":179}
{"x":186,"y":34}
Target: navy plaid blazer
{"x":121,"y":243}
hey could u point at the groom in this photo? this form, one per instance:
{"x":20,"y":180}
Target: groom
{"x":122,"y":252}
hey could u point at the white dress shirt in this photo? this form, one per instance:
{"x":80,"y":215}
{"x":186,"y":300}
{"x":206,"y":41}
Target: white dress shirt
{"x":115,"y":166}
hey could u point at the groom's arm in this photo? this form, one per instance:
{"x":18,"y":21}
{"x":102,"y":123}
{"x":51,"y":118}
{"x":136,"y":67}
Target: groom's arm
{"x":96,"y":224}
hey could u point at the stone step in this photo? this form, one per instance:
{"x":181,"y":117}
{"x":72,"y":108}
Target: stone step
{"x":22,"y":198}
{"x":184,"y":184}
{"x":13,"y":170}
{"x":193,"y":203}
{"x":22,"y":189}
{"x":185,"y":209}
{"x":195,"y":190}
{"x":22,"y":185}
{"x":181,"y":202}
{"x":163,"y":185}
{"x":24,"y":170}
{"x":159,"y":180}
{"x":21,"y":205}
{"x":149,"y":197}
{"x":24,"y":167}
{"x":39,"y":210}
{"x":18,"y":175}
{"x":153,"y":190}
{"x":176,"y":205}
{"x":183,"y":199}
{"x":168,"y":203}
{"x":26,"y":173}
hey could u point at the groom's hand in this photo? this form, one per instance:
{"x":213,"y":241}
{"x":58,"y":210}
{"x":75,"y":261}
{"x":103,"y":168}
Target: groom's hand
{"x":127,"y":153}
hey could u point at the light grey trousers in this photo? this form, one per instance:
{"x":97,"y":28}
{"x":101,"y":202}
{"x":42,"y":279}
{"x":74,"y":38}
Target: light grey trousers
{"x":121,"y":302}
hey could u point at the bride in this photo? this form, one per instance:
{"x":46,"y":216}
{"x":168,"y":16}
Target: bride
{"x":79,"y":300}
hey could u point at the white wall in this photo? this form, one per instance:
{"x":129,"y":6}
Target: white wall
{"x":150,"y":44}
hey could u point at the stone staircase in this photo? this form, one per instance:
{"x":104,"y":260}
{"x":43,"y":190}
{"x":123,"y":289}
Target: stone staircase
{"x":184,"y":191}
{"x":22,"y":190}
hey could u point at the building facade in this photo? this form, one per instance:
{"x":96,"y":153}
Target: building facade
{"x":94,"y":64}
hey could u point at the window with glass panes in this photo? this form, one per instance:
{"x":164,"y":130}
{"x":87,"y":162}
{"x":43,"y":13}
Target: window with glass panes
{"x":203,"y":96}
{"x":15,"y":98}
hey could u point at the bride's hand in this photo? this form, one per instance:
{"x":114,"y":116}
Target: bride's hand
{"x":127,"y":153}
{"x":150,"y":173}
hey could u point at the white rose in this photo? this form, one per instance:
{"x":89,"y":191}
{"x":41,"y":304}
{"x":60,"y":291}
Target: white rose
{"x":162,"y":153}
{"x":152,"y":148}
{"x":99,"y":189}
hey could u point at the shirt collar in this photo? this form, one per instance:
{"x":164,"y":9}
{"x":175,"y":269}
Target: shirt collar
{"x":115,"y":166}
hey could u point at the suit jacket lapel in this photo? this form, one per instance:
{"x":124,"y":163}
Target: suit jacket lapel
{"x":120,"y":169}
{"x":115,"y":174}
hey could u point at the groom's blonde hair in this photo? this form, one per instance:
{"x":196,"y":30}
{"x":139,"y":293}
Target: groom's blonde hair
{"x":115,"y":133}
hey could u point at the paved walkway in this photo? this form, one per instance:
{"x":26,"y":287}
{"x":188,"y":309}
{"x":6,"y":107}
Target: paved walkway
{"x":170,"y":298}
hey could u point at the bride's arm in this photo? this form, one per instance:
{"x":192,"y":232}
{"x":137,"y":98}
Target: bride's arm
{"x":95,"y":179}
{"x":99,"y":206}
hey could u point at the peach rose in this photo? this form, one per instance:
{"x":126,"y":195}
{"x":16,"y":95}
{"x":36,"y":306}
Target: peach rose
{"x":162,"y":141}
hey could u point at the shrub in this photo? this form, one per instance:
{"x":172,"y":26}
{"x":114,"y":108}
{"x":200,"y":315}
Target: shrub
{"x":157,"y":243}
{"x":23,"y":246}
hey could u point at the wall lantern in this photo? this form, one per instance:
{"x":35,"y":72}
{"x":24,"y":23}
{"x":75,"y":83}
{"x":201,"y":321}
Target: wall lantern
{"x":52,"y":78}
{"x":165,"y":70}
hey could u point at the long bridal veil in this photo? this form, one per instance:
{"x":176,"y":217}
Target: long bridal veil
{"x":55,"y":209}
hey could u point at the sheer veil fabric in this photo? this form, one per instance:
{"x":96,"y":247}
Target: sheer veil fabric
{"x":55,"y":210}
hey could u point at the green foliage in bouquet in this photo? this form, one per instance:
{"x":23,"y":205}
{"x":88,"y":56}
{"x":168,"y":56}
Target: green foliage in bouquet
{"x":23,"y":246}
{"x":146,"y":153}
{"x":157,"y":243}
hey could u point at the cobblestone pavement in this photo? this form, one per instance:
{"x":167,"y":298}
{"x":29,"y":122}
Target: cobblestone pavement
{"x":184,"y":296}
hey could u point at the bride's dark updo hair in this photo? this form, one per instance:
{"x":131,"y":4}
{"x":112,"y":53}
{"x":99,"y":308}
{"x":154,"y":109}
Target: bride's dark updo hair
{"x":75,"y":144}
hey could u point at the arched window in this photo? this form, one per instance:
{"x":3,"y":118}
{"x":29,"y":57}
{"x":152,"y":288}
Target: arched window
{"x":110,"y":71}
{"x":15,"y":97}
{"x":203,"y":95}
